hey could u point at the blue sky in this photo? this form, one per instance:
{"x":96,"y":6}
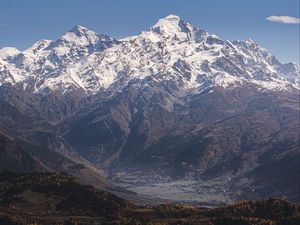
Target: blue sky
{"x":23,"y":22}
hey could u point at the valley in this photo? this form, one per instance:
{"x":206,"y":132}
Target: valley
{"x":48,"y":199}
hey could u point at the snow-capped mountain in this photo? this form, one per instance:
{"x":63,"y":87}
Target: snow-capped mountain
{"x":42,"y":65}
{"x":172,"y":49}
{"x":173,"y":102}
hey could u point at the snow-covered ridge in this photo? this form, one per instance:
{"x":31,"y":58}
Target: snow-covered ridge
{"x":8,"y":52}
{"x":172,"y":49}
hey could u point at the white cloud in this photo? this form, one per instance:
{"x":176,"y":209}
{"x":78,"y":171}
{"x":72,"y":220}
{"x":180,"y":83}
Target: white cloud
{"x":284,"y":19}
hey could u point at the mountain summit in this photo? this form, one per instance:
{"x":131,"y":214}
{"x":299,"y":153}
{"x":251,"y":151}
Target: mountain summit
{"x":173,"y":26}
{"x":170,"y":23}
{"x":80,"y":36}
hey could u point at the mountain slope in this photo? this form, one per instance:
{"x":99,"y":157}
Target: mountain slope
{"x":57,"y":195}
{"x":20,"y":156}
{"x":218,"y":134}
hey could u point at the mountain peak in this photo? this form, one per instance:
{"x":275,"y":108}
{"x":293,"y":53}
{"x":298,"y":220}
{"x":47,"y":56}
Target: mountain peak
{"x":171,"y":25}
{"x":171,"y":17}
{"x":80,"y":35}
{"x":78,"y":29}
{"x":249,"y":40}
{"x":8,"y":52}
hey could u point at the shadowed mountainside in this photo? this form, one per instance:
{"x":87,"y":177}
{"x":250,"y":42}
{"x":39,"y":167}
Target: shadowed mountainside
{"x":21,"y":156}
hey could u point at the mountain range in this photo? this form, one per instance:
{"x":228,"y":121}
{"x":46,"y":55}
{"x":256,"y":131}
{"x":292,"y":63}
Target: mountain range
{"x":172,"y":107}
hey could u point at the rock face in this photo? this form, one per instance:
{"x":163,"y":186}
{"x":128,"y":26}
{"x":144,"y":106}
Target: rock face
{"x":173,"y":102}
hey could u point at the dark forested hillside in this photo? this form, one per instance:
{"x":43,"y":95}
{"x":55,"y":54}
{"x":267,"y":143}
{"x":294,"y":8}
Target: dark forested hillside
{"x":54,"y":198}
